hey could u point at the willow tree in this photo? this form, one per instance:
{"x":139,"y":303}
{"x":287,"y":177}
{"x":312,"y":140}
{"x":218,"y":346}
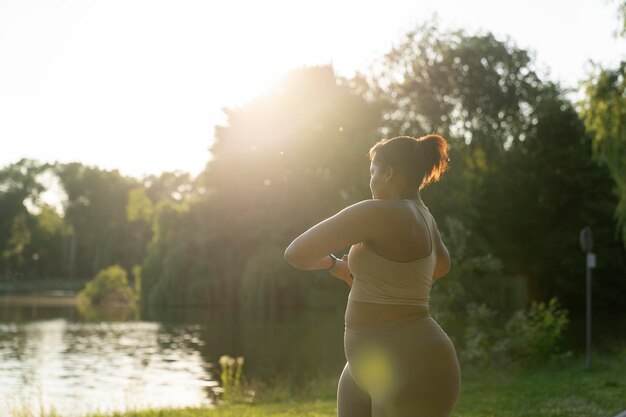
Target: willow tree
{"x":604,"y":112}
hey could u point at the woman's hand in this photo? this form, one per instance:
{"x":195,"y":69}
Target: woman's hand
{"x":342,"y":271}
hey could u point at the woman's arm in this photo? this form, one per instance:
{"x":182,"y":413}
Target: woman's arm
{"x":357,"y":223}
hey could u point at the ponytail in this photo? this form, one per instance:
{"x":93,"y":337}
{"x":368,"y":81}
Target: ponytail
{"x":423,"y":160}
{"x":431,"y":152}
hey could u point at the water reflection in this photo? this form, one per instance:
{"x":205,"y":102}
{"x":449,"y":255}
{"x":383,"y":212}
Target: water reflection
{"x":50,"y":357}
{"x":274,"y":343}
{"x":77,"y":368}
{"x":53,"y":357}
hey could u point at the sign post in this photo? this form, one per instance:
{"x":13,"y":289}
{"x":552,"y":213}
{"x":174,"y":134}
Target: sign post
{"x":586,"y":244}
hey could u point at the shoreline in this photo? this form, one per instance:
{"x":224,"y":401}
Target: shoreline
{"x":44,"y":299}
{"x":567,"y":389}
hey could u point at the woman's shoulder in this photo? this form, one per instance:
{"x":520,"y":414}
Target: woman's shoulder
{"x":379,"y":205}
{"x":381,"y":209}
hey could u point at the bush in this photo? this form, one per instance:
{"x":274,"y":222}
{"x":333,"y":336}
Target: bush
{"x":476,"y":277}
{"x":483,"y":337}
{"x":529,"y":336}
{"x":534,"y":335}
{"x":109,"y":288}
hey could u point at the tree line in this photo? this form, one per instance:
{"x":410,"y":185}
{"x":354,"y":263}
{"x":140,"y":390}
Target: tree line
{"x":528,"y":170}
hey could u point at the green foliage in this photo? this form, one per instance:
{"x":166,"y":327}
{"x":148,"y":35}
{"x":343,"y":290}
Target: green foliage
{"x":108,"y":288}
{"x":231,"y":376}
{"x":530,"y":337}
{"x":290,"y":387}
{"x":265,"y":281}
{"x":480,"y":273}
{"x":473,"y":88}
{"x":20,"y":190}
{"x":522,"y":179}
{"x":139,"y":206}
{"x":96,"y":211}
{"x":548,"y":391}
{"x":178,"y":266}
{"x":176,"y":186}
{"x":604,"y":113}
{"x":49,"y":222}
{"x":521,"y":185}
{"x":18,"y":239}
{"x":283,"y":161}
{"x":534,"y":335}
{"x":476,"y":277}
{"x":136,"y":271}
{"x":483,"y":336}
{"x":548,"y":188}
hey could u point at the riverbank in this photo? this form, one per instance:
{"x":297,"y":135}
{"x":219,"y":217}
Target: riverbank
{"x":49,"y":299}
{"x":566,"y":390}
{"x":11,"y":286}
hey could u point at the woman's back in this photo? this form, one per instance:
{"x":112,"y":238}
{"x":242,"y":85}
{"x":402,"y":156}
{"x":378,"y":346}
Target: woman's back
{"x":393,"y":275}
{"x":408,"y":231}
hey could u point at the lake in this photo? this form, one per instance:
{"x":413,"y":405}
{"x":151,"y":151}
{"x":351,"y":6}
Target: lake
{"x":50,"y":357}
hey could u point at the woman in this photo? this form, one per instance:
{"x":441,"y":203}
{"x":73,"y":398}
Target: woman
{"x":400,"y":362}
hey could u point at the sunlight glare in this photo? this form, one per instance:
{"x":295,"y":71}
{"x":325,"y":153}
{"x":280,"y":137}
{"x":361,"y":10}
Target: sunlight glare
{"x":105,"y":82}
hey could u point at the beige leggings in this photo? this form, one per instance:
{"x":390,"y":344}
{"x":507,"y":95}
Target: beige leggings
{"x":406,"y":368}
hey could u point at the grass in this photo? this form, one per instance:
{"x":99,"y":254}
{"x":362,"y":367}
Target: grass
{"x":551,"y":391}
{"x":565,"y":390}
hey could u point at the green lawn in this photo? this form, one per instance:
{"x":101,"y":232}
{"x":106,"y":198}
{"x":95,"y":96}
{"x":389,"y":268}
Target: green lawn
{"x":548,"y":392}
{"x":568,"y":390}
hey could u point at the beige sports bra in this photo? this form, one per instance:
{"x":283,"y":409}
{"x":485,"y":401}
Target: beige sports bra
{"x":383,"y":281}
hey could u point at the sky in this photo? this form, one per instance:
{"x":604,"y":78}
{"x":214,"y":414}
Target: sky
{"x":138,"y":85}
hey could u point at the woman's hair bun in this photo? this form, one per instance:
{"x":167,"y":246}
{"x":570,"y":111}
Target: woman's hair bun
{"x":432,"y":155}
{"x":424,"y":159}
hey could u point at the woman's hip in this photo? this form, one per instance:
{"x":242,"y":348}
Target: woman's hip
{"x":413,"y":352}
{"x":417,"y":332}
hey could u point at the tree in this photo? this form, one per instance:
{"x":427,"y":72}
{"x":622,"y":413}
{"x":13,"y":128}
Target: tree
{"x":178,"y":269}
{"x":45,"y":252}
{"x":96,"y":212}
{"x":175,"y":186}
{"x":604,"y":113}
{"x":476,"y":90}
{"x":19,"y":188}
{"x":108,"y":288}
{"x":522,"y":179}
{"x":547,"y":189}
{"x":281,"y":162}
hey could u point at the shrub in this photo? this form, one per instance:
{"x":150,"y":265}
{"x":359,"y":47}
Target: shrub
{"x":483,"y":337}
{"x":534,"y":335}
{"x":476,"y":277}
{"x":108,"y":288}
{"x":530,"y":336}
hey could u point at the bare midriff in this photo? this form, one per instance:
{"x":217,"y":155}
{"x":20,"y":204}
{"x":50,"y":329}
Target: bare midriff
{"x":360,"y":312}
